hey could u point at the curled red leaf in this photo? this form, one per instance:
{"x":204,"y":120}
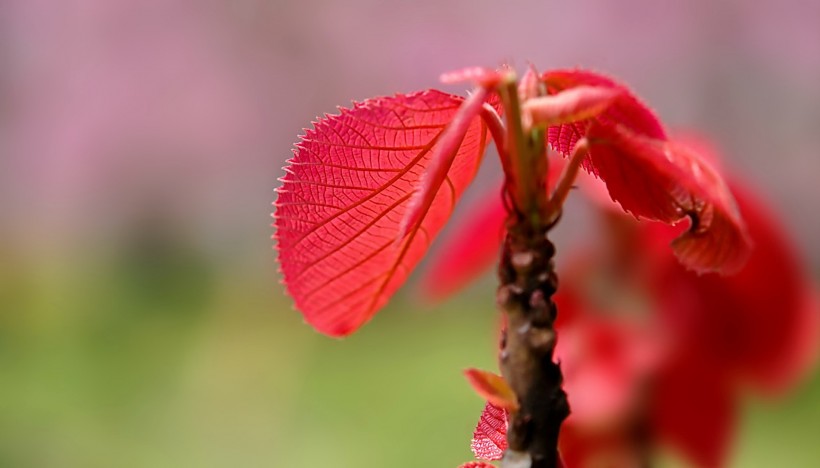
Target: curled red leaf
{"x":667,"y":181}
{"x":762,"y":323}
{"x":345,"y":194}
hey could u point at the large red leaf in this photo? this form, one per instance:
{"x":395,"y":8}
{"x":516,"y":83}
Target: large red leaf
{"x":345,"y":194}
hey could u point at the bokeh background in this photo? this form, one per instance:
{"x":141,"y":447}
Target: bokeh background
{"x":141,"y":319}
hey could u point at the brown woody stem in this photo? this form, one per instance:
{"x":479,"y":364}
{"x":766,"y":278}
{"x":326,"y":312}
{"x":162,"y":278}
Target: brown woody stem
{"x":528,"y":282}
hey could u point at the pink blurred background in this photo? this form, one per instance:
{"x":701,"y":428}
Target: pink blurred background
{"x":119,"y":111}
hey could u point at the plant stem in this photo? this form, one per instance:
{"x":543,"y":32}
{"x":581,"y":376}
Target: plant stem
{"x":528,"y":282}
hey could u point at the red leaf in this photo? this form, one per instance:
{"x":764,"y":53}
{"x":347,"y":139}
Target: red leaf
{"x":718,"y":239}
{"x":604,"y":361}
{"x":345,"y":194}
{"x":469,"y":249}
{"x":608,"y":446}
{"x":490,"y":436}
{"x":693,"y":409}
{"x":477,"y":465}
{"x":665,"y":181}
{"x":762,"y":323}
{"x":626,"y":110}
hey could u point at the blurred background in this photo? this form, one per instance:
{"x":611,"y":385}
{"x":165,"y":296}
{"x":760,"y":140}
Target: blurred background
{"x":141,"y":319}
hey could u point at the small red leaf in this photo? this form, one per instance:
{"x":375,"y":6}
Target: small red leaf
{"x":490,"y":436}
{"x":492,"y":388}
{"x":572,"y":105}
{"x":345,"y":194}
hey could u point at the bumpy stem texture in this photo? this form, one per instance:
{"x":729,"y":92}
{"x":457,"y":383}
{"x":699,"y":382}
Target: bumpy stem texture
{"x":528,"y":282}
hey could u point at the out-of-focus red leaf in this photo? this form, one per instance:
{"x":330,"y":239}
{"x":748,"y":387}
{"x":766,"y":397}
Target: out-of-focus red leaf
{"x":626,"y":110}
{"x":493,"y":388}
{"x":445,"y":153}
{"x":605,"y":362}
{"x":762,"y":323}
{"x":597,"y":446}
{"x":693,"y":409}
{"x":468,"y":249}
{"x":665,"y":181}
{"x":345,"y":194}
{"x":571,"y":105}
{"x":490,"y":436}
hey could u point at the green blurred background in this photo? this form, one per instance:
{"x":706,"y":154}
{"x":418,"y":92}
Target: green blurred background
{"x":166,"y":361}
{"x":141,"y":319}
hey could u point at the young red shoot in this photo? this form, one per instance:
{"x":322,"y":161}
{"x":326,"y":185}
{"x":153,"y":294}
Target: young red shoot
{"x":368,"y":190}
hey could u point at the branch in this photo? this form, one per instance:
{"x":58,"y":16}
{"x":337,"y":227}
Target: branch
{"x":528,"y":282}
